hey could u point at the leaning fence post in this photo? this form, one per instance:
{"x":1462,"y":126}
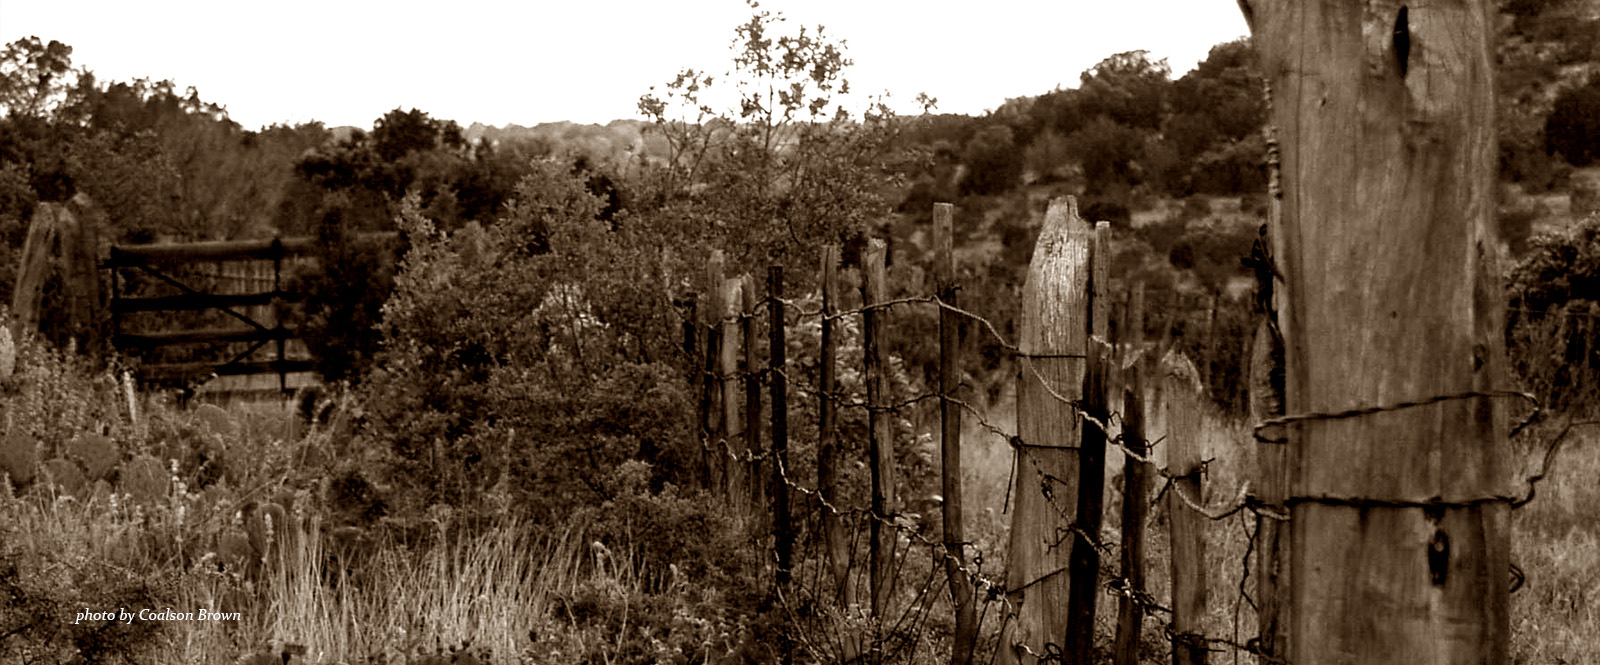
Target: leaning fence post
{"x":777,"y":357}
{"x":827,"y":438}
{"x":1181,"y":393}
{"x":1130,"y":611}
{"x":1052,"y":342}
{"x":28,"y":293}
{"x":881,"y":442}
{"x":731,"y":452}
{"x":961,"y":588}
{"x":1078,"y":646}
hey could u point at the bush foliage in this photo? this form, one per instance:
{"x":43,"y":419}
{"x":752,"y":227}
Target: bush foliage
{"x":1554,"y":315}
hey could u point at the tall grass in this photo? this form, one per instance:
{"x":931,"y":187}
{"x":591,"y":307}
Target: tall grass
{"x":1555,"y":616}
{"x":488,"y":591}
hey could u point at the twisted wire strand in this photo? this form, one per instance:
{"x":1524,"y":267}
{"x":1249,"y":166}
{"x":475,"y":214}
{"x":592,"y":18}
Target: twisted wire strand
{"x":988,"y":590}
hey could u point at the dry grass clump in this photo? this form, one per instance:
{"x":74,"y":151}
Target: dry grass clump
{"x":1555,"y":616}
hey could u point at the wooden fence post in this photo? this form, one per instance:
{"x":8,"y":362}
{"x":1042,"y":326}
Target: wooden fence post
{"x":79,"y":246}
{"x":778,"y":382}
{"x":732,"y":450}
{"x":1181,"y":393}
{"x":715,"y":429}
{"x":1130,"y":613}
{"x":27,"y":296}
{"x":880,"y":426}
{"x":752,"y":400}
{"x":1399,"y":523}
{"x":827,"y":438}
{"x":1078,"y":646}
{"x":1052,"y":342}
{"x":961,"y":587}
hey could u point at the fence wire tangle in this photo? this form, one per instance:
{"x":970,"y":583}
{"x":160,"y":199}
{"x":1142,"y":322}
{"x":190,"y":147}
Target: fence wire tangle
{"x":808,"y":597}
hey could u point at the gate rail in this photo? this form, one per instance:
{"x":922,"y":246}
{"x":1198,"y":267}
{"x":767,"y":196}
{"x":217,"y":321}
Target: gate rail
{"x":161,"y":262}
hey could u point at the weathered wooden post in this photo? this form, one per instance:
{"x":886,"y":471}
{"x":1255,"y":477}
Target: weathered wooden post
{"x":27,"y":295}
{"x":79,"y":246}
{"x":716,"y":430}
{"x":1130,"y":613}
{"x":752,"y":399}
{"x":1389,"y":294}
{"x":1181,"y":394}
{"x":961,"y":588}
{"x":1078,"y":646}
{"x":731,"y":450}
{"x":777,"y":359}
{"x":881,"y":428}
{"x":1052,"y":343}
{"x":827,"y":438}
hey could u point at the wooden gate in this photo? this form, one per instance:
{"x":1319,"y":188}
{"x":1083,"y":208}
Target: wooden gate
{"x":247,"y":287}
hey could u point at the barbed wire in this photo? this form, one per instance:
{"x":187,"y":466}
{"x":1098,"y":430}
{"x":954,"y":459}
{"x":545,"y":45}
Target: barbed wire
{"x":986,"y":589}
{"x":1318,"y":416}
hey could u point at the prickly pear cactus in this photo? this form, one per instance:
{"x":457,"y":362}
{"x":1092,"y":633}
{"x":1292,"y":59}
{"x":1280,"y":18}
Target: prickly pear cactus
{"x":234,"y":549}
{"x":97,"y":454}
{"x":65,"y":476}
{"x":19,"y":457}
{"x":217,"y":421}
{"x":100,"y":492}
{"x":146,"y":479}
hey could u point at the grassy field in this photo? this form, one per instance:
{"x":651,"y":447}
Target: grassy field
{"x":211,"y":509}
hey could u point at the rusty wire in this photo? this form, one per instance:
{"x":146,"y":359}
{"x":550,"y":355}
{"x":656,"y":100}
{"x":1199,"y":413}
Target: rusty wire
{"x":988,"y":590}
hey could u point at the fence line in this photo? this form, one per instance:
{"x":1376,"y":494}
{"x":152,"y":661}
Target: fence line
{"x":960,"y":559}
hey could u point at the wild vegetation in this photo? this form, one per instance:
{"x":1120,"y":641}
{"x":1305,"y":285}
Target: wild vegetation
{"x":506,"y":466}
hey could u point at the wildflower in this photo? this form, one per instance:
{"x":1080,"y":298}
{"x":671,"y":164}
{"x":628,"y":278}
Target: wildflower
{"x":8,"y":353}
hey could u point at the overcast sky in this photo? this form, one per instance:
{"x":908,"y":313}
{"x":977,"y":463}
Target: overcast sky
{"x":347,"y":62}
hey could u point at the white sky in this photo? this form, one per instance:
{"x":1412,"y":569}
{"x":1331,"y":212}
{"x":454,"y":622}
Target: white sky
{"x":347,"y":62}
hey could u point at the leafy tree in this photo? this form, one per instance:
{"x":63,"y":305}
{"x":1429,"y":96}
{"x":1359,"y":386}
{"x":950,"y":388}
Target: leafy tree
{"x":1060,"y":110}
{"x":36,"y":79}
{"x":227,"y":181}
{"x":344,"y":295}
{"x":400,"y":133}
{"x":1048,"y":155}
{"x":1218,"y":111}
{"x":1573,"y":128}
{"x":1226,"y":90}
{"x":1108,"y":152}
{"x":786,"y":167}
{"x":39,"y":88}
{"x":993,"y":160}
{"x":566,"y":351}
{"x":132,"y":179}
{"x":1128,"y":88}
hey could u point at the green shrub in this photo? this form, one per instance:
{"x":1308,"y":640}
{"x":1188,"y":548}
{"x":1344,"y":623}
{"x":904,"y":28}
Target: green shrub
{"x":1553,"y":315}
{"x":540,"y":368}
